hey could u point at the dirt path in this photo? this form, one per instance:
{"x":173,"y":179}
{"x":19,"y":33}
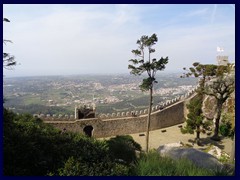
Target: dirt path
{"x":173,"y":135}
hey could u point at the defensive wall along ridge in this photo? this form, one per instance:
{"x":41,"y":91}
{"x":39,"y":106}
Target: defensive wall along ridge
{"x":170,"y":113}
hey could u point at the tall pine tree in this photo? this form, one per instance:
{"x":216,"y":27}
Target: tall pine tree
{"x":144,"y":63}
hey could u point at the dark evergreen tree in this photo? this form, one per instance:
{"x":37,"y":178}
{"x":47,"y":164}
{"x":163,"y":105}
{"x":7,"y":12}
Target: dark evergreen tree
{"x":195,"y":119}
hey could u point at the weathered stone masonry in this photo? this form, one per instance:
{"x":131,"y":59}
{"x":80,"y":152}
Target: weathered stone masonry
{"x":169,"y":116}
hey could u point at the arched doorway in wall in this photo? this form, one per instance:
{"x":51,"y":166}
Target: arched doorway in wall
{"x":88,"y":130}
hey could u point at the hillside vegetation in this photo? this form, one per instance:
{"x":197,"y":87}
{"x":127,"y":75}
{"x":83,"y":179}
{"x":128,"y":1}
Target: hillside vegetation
{"x":32,"y":148}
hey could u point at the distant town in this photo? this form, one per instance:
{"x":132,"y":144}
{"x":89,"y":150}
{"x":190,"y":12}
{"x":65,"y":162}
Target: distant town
{"x":110,"y":93}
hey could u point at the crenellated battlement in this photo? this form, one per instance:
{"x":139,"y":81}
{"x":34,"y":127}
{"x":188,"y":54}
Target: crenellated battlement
{"x":55,"y":117}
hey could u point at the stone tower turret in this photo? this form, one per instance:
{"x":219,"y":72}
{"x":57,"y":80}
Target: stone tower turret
{"x":222,"y":60}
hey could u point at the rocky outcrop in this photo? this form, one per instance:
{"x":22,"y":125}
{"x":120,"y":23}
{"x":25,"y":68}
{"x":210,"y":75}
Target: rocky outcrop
{"x":209,"y":107}
{"x":197,"y":157}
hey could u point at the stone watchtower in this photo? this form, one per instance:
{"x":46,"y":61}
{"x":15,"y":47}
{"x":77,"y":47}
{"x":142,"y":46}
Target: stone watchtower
{"x":85,"y":112}
{"x":222,"y":60}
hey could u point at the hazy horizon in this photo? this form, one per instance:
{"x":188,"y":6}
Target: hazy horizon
{"x":95,"y":74}
{"x":65,"y":39}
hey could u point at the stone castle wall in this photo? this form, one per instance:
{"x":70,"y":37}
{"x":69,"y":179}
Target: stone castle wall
{"x":172,"y":113}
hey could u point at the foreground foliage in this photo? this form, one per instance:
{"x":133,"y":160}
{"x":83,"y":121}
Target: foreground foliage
{"x":33,"y":148}
{"x":152,"y":164}
{"x":226,"y":128}
{"x":123,"y":148}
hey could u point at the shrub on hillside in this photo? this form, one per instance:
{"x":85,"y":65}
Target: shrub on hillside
{"x":29,"y":146}
{"x":225,"y":127}
{"x":74,"y":167}
{"x":123,"y":148}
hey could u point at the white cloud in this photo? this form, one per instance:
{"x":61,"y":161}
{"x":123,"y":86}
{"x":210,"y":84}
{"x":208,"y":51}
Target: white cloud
{"x":198,"y":12}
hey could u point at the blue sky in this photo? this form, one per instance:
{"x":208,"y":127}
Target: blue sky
{"x":81,"y":39}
